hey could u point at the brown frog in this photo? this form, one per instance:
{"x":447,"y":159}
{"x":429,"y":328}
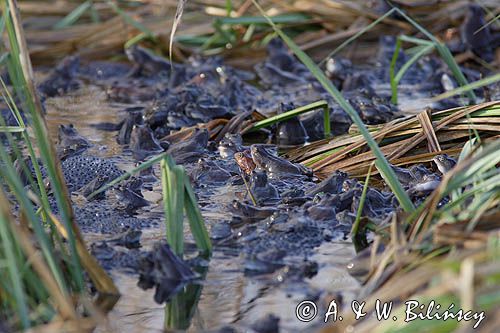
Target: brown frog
{"x":245,"y":161}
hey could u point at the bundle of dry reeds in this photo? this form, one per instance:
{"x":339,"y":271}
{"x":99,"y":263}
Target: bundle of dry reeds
{"x":405,"y":141}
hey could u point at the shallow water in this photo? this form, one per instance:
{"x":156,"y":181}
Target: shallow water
{"x":226,"y":295}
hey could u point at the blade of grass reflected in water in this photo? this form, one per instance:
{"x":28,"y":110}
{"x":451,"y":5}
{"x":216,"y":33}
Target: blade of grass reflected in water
{"x":180,"y":310}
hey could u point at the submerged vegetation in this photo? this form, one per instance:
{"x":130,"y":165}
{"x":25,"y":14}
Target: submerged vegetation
{"x":438,"y":240}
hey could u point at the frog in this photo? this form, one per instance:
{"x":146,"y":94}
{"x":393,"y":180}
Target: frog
{"x":70,"y":141}
{"x":206,"y":108}
{"x":63,"y":79}
{"x":372,"y":108}
{"x":294,"y":197}
{"x":338,"y":69}
{"x":99,"y":181}
{"x":424,"y":187}
{"x":271,"y":74}
{"x":143,"y":143}
{"x":332,"y":184}
{"x":444,"y":163}
{"x":419,"y":172}
{"x":476,"y":34}
{"x":405,"y":176}
{"x":281,"y":68}
{"x":261,"y":189}
{"x":190,"y":148}
{"x":230,"y":145}
{"x":248,"y":213}
{"x":280,"y":56}
{"x":129,"y":196}
{"x":275,"y":166}
{"x":146,"y":62}
{"x":416,"y":179}
{"x":376,"y":202}
{"x":163,"y":269}
{"x":125,"y":130}
{"x":313,"y":123}
{"x":127,"y":93}
{"x":291,"y":131}
{"x":130,"y":238}
{"x":321,"y":212}
{"x":209,"y":172}
{"x":245,"y":161}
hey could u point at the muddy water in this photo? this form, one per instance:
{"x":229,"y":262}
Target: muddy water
{"x":226,"y":295}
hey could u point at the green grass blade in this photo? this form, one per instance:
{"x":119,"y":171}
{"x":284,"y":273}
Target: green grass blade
{"x":469,"y":87}
{"x":94,"y":14}
{"x":73,"y":16}
{"x":11,"y":129}
{"x":443,"y":51}
{"x":7,"y":244}
{"x":139,"y":168}
{"x":395,"y":79}
{"x":229,"y":7}
{"x":392,"y":69}
{"x":127,"y":18}
{"x":227,"y":35}
{"x":355,"y":227}
{"x":173,"y":207}
{"x":136,"y":39}
{"x":383,"y":164}
{"x":196,"y":222}
{"x":278,"y":19}
{"x":413,"y":59}
{"x":296,"y":112}
{"x":179,"y":197}
{"x":356,"y":36}
{"x":8,"y":174}
{"x":27,"y":92}
{"x":176,"y":195}
{"x":414,"y":40}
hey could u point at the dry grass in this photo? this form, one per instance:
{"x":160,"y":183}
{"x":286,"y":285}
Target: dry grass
{"x":330,"y":24}
{"x":406,"y":141}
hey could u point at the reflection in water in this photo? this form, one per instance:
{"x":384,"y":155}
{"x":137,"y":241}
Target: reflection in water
{"x":181,"y":308}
